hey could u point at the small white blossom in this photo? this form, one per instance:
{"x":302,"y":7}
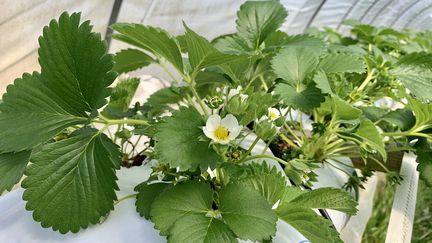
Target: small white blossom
{"x":222,"y":130}
{"x":273,"y":113}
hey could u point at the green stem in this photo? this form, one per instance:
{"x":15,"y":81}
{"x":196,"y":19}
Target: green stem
{"x":264,"y":156}
{"x":266,"y":146}
{"x":251,"y":147}
{"x":286,"y":139}
{"x":200,"y":102}
{"x":125,"y":197}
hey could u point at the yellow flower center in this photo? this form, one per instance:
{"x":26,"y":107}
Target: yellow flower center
{"x":221,"y":133}
{"x":273,"y":115}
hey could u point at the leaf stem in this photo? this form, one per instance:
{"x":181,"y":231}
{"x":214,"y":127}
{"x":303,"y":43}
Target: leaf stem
{"x":125,"y":197}
{"x":264,"y":156}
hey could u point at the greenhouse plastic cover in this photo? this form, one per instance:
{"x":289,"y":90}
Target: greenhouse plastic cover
{"x":21,"y":21}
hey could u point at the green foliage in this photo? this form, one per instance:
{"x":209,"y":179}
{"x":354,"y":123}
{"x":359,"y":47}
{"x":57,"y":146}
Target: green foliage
{"x":147,"y":193}
{"x":159,"y":100}
{"x":73,"y":82}
{"x":178,"y":142}
{"x":294,"y":64}
{"x":342,"y":63}
{"x":121,"y":98}
{"x":304,"y":100}
{"x":415,"y":71}
{"x":247,"y":213}
{"x":154,"y":40}
{"x":12,"y":166}
{"x":130,"y":59}
{"x":424,"y":158}
{"x":71,"y":183}
{"x":258,"y":19}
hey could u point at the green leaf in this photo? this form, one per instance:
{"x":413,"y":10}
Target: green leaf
{"x":304,"y":100}
{"x":179,"y":142}
{"x":247,"y":213}
{"x":121,"y":98}
{"x":198,"y":228}
{"x":268,"y":182}
{"x":232,"y":44}
{"x":159,"y":100}
{"x":402,"y":118}
{"x":423,"y":115}
{"x":188,"y":198}
{"x":327,"y":198}
{"x":128,"y":60}
{"x":345,"y":111}
{"x":369,"y":134}
{"x":202,"y":54}
{"x":314,"y":227}
{"x":257,"y":19}
{"x":322,"y":82}
{"x":294,"y":64}
{"x":342,"y":63}
{"x":415,"y":72}
{"x":71,"y":183}
{"x":155,"y":40}
{"x":424,"y":158}
{"x":12,"y":166}
{"x":146,"y":196}
{"x":74,"y":83}
{"x":281,"y":39}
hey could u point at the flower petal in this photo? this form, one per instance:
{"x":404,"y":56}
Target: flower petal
{"x":229,"y":122}
{"x":208,"y":133}
{"x":234,"y":132}
{"x":213,"y":122}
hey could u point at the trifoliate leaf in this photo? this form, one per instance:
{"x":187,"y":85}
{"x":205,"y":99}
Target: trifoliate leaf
{"x":257,"y":19}
{"x":146,"y":196}
{"x":268,"y":182}
{"x":121,"y":98}
{"x":74,"y":80}
{"x":304,"y":100}
{"x":247,"y":213}
{"x":327,"y":198}
{"x":179,"y":143}
{"x":128,"y":60}
{"x":155,"y":40}
{"x":322,"y":82}
{"x":415,"y":72}
{"x":12,"y":166}
{"x":314,"y":227}
{"x":159,"y":100}
{"x":199,"y":228}
{"x":188,"y":198}
{"x":342,"y":63}
{"x":71,"y":183}
{"x":294,"y":64}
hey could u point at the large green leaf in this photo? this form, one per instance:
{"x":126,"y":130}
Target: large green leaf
{"x":281,"y":39}
{"x":368,"y":134}
{"x":71,"y":183}
{"x":179,"y":142}
{"x":247,"y":213}
{"x":327,"y":198}
{"x":294,"y":64}
{"x":423,"y":115}
{"x":155,"y":40}
{"x":257,"y":19}
{"x":128,"y":60}
{"x":342,"y":63}
{"x":121,"y":98}
{"x":314,"y":227}
{"x":147,"y":193}
{"x":305,"y":100}
{"x":199,"y":228}
{"x":322,"y":82}
{"x":202,"y":54}
{"x":415,"y":72}
{"x":74,"y":80}
{"x":188,"y":198}
{"x":267,"y":181}
{"x":159,"y":100}
{"x":12,"y":166}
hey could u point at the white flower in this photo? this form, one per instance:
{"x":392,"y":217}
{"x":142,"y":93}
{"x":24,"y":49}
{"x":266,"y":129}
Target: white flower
{"x":273,"y":113}
{"x":222,"y":130}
